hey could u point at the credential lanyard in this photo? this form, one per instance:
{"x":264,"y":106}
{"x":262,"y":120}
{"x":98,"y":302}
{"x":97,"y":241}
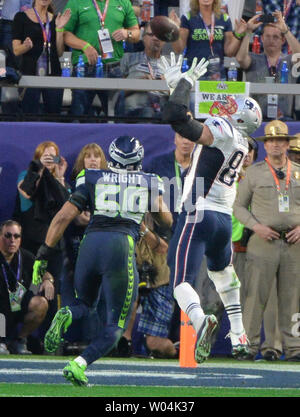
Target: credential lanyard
{"x":100,"y":15}
{"x":210,"y":32}
{"x":9,"y":267}
{"x":287,"y":7}
{"x":178,"y":174}
{"x":288,"y":176}
{"x":46,"y":30}
{"x":270,"y":66}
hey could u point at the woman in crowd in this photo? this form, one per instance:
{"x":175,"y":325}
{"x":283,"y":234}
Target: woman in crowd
{"x":208,"y":33}
{"x":42,"y":191}
{"x":38,"y":39}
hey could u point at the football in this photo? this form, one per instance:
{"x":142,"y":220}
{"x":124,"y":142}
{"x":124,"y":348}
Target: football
{"x":164,"y":29}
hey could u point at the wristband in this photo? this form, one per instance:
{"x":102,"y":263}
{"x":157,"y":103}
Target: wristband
{"x":59,"y":29}
{"x":86,"y":46}
{"x":49,"y":279}
{"x":142,"y":234}
{"x":157,"y":242}
{"x":239,"y":36}
{"x":44,"y":252}
{"x":287,"y":30}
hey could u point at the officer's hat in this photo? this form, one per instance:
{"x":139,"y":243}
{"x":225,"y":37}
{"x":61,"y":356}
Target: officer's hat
{"x":295,"y":144}
{"x":276,"y":130}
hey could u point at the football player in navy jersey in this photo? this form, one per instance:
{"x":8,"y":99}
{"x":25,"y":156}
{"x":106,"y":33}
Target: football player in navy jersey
{"x":204,"y":225}
{"x":117,"y":198}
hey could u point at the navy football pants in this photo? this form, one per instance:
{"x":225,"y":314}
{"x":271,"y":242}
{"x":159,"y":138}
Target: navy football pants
{"x":106,"y":260}
{"x":191,"y":240}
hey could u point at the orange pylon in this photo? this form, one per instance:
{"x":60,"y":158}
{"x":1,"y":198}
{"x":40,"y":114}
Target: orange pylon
{"x":187,"y":342}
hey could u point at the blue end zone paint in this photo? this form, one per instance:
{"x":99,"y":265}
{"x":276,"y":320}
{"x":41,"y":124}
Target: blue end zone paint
{"x":146,"y":373}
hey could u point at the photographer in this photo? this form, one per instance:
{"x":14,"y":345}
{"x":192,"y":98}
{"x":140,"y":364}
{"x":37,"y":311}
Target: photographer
{"x":155,"y":295}
{"x":269,"y":63}
{"x":290,"y":11}
{"x":17,"y":302}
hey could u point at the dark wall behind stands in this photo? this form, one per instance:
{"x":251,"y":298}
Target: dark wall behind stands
{"x":19,"y":140}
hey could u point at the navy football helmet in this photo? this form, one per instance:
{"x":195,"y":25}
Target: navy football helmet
{"x":126,"y":152}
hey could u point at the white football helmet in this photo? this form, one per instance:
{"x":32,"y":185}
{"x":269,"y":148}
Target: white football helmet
{"x":244,"y":113}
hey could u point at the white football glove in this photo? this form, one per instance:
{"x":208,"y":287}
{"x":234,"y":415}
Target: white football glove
{"x":196,"y":71}
{"x":172,"y":71}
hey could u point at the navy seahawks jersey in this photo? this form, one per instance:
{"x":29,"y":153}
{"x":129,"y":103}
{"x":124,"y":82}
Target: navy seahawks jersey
{"x":217,"y":166}
{"x":117,"y":199}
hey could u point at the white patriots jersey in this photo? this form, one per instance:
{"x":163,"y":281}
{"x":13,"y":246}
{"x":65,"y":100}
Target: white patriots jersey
{"x":218,"y":165}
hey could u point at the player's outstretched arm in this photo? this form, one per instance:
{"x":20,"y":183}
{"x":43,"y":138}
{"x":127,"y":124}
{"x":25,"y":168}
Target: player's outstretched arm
{"x":176,"y":110}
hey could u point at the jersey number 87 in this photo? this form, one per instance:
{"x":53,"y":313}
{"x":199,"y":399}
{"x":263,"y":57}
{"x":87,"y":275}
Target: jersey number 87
{"x":227,"y":176}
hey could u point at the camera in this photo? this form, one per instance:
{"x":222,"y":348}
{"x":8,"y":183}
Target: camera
{"x":56,"y":159}
{"x":267,"y":18}
{"x":147,"y":275}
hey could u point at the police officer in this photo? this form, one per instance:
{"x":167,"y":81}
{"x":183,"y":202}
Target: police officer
{"x":271,"y":348}
{"x":272,"y":189}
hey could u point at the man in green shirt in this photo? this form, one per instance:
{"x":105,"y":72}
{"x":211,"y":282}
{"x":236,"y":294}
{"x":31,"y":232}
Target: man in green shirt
{"x":98,"y":28}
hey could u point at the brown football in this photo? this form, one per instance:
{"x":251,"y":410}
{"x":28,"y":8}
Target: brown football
{"x":164,"y":29}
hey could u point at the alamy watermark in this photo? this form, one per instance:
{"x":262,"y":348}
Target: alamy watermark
{"x":296,"y":326}
{"x":132,"y":194}
{"x":2,"y":325}
{"x":296,"y":66}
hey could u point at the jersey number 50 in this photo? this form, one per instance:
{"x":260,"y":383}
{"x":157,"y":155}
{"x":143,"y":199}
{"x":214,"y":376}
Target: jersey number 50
{"x":129,"y":203}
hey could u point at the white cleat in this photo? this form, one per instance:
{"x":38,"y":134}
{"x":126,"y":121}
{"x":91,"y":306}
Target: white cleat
{"x":240,"y":345}
{"x":204,"y":335}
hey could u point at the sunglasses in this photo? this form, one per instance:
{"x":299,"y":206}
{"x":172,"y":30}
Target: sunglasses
{"x":9,"y":235}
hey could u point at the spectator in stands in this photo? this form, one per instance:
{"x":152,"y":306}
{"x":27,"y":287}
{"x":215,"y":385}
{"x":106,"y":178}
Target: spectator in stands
{"x":271,"y":348}
{"x":290,"y":10}
{"x":9,"y":9}
{"x":17,"y":301}
{"x":208,"y":33}
{"x":269,"y":63}
{"x":294,"y":149}
{"x":42,"y":191}
{"x":38,"y":38}
{"x":144,"y":65}
{"x":8,"y":12}
{"x":83,"y":33}
{"x":270,"y":188}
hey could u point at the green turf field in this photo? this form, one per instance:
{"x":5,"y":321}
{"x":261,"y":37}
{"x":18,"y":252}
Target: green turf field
{"x":56,"y":390}
{"x":27,"y":389}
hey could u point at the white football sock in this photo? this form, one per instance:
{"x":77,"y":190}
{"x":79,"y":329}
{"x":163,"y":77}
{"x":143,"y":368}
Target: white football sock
{"x":231,"y":301}
{"x":81,"y":361}
{"x":189,"y":301}
{"x":228,"y":287}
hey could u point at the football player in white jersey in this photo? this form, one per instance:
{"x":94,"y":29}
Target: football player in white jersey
{"x":204,"y":225}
